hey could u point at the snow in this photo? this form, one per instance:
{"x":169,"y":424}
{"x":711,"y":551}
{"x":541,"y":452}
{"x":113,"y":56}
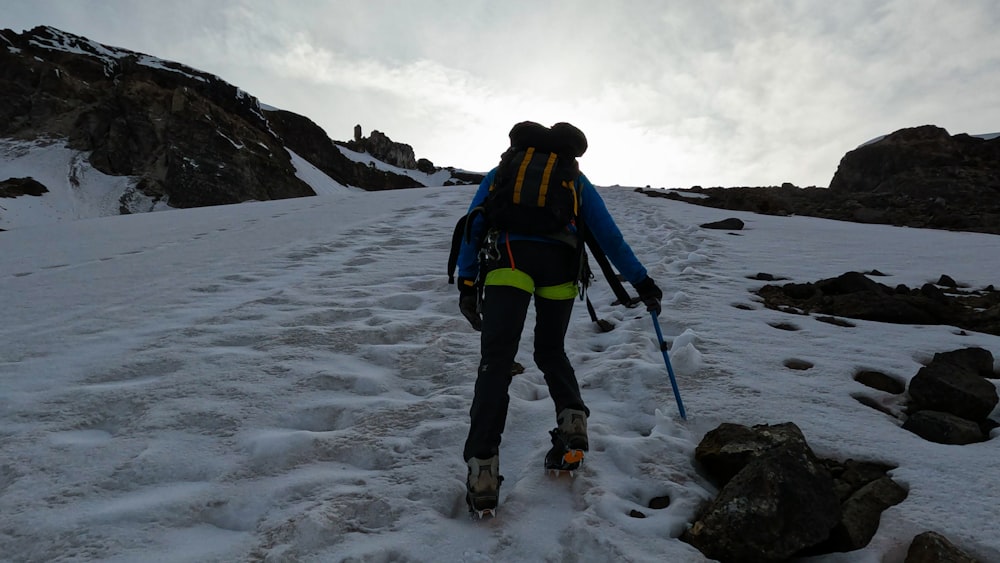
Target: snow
{"x":436,"y":179}
{"x":290,"y":381}
{"x":320,"y":182}
{"x":76,"y":189}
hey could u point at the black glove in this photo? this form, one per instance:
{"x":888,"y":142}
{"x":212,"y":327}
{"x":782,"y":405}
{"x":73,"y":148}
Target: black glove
{"x":650,"y":294}
{"x":468,"y":302}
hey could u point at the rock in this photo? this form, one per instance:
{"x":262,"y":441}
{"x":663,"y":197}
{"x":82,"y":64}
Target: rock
{"x":861,"y":512}
{"x":16,"y":187}
{"x":851,"y":476}
{"x":953,"y":388}
{"x":779,"y":500}
{"x":426,"y":166}
{"x":732,"y":224}
{"x":974,"y":360}
{"x":380,"y":146}
{"x":723,"y":452}
{"x":931,"y":547}
{"x":947,"y":281}
{"x":850,"y":282}
{"x":780,"y":504}
{"x":944,"y":428}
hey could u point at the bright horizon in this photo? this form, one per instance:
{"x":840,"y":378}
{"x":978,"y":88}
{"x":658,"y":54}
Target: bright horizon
{"x":670,"y":94}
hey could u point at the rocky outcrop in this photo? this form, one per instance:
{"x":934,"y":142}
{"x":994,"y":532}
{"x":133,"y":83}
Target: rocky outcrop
{"x":855,"y":295}
{"x":916,"y":177}
{"x":188,"y":138}
{"x":308,"y":140}
{"x":923,"y":163}
{"x":380,"y":146}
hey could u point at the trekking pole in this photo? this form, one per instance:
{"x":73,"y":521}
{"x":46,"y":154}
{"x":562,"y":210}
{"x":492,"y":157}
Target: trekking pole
{"x":670,"y":369}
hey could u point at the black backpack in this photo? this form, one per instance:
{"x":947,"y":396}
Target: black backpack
{"x":534,"y":191}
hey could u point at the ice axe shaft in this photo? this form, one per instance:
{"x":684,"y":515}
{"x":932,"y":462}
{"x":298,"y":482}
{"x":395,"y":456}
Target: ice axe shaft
{"x":670,"y":368}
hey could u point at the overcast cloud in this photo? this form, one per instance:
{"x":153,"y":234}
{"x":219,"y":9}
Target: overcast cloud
{"x":670,"y":93}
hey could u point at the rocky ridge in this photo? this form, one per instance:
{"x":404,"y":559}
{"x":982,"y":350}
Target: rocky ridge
{"x":915,"y":177}
{"x":187,"y":137}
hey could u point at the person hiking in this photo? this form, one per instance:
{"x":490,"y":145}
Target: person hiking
{"x":512,"y":265}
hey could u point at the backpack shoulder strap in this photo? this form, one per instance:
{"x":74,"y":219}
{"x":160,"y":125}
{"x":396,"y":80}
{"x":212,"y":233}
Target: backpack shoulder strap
{"x":456,"y":246}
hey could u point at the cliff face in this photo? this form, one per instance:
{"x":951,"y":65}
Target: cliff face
{"x":922,"y":161}
{"x":379,"y":145}
{"x":186,"y":137}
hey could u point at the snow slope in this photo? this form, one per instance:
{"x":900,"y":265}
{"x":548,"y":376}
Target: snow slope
{"x":290,"y":381}
{"x":79,"y":191}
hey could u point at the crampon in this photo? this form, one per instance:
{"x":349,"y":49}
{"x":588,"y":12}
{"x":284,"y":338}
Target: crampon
{"x":483,"y":487}
{"x":481,"y":507}
{"x":561,"y":459}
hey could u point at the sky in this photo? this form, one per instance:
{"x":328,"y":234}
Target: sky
{"x":290,"y":381}
{"x":670,"y":93}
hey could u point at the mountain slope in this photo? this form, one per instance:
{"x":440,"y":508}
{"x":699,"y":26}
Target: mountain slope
{"x":290,"y":381}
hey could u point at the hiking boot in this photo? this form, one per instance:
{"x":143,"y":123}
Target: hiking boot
{"x":560,"y":457}
{"x":483,"y":485}
{"x":573,"y":429}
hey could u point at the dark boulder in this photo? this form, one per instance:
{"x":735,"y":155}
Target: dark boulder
{"x":861,"y":513}
{"x":944,"y":428}
{"x":731,"y":224}
{"x":726,"y":450}
{"x":931,"y":547}
{"x":16,"y":187}
{"x":953,"y":383}
{"x":778,"y":505}
{"x":778,"y":500}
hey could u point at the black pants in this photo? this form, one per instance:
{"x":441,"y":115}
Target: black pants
{"x":504,"y":311}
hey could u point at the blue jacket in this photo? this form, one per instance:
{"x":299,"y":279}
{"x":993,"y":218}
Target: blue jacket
{"x":595,"y":216}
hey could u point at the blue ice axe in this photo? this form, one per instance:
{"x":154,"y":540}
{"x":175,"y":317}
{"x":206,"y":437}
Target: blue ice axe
{"x":666,"y":359}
